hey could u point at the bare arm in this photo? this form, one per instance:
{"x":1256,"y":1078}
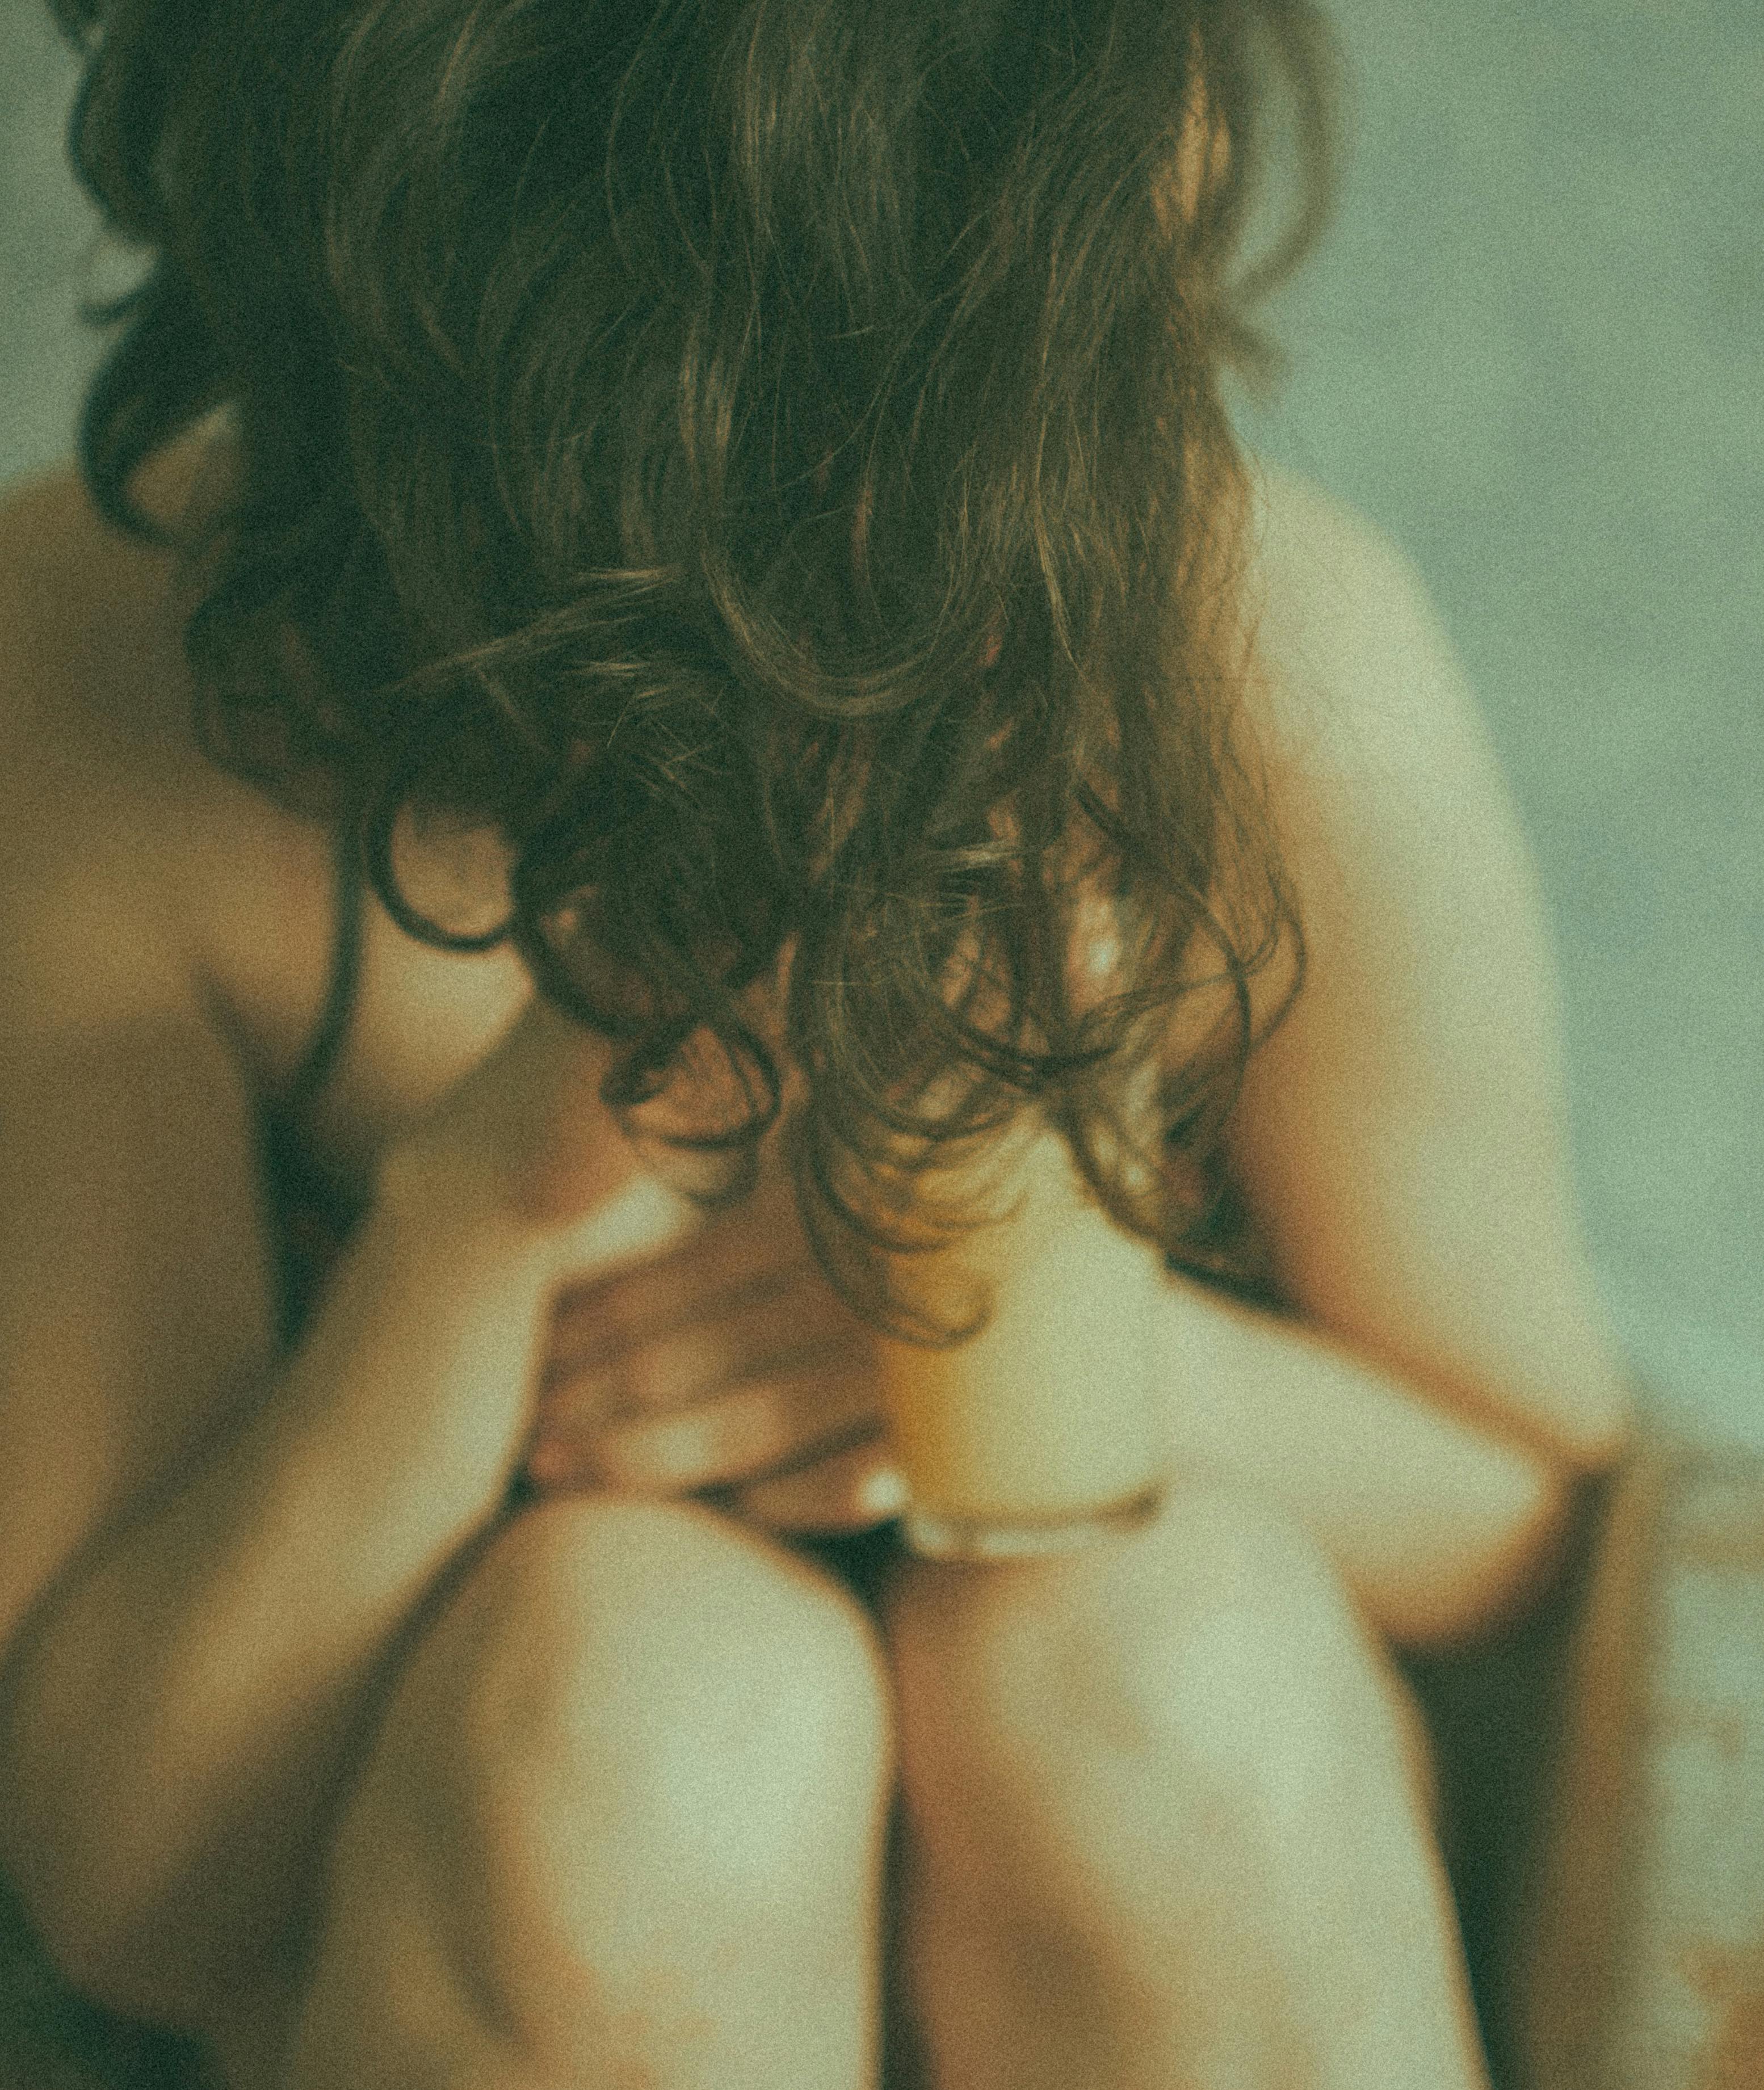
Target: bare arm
{"x":1402,"y":1141}
{"x":1445,"y":1368}
{"x":177,"y":1713}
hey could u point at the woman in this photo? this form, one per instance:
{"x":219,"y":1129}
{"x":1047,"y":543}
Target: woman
{"x":709,"y":653}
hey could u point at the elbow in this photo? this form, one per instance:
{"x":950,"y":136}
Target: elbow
{"x":1581,"y":1387}
{"x":1495,"y":1580}
{"x":1609,"y":1433}
{"x":1591,"y":1429}
{"x":1572,"y":1411}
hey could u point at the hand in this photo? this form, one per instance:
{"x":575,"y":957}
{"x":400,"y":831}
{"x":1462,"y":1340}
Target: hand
{"x":725,"y":1365}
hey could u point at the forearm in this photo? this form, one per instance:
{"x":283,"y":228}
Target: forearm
{"x":1436,"y":1525}
{"x":176,"y":1722}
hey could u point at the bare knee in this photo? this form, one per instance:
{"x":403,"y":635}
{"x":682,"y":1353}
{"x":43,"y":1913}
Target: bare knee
{"x":635,"y":1721}
{"x":723,"y":1693}
{"x":1234,"y":1640}
{"x":1165,"y":1775}
{"x":1219,"y":1642}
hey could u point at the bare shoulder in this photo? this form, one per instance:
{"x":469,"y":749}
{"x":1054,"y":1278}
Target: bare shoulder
{"x":98,"y":662}
{"x":1329,"y":605}
{"x":1383,"y":772}
{"x":137,"y":871}
{"x":131,"y":865}
{"x":79,"y":771}
{"x":1337,"y":605}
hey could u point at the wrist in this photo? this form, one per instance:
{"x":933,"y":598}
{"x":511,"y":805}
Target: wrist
{"x":449,"y":1214}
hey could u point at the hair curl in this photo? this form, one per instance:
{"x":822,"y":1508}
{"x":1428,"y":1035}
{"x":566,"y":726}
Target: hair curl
{"x":762,"y":459}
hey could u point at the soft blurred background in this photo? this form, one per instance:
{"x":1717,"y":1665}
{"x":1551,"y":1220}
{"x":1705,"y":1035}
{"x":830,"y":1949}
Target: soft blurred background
{"x":1531,"y":349}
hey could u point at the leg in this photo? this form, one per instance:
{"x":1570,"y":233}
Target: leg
{"x":1164,"y":1827}
{"x":622,"y":1823}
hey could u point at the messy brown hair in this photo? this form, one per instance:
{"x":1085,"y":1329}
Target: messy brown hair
{"x":763,"y":460}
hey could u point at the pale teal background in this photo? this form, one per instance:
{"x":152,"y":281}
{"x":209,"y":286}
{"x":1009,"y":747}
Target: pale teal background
{"x":1531,"y":349}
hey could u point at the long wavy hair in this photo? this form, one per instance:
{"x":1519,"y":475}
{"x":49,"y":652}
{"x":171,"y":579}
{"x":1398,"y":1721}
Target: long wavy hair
{"x":763,"y":460}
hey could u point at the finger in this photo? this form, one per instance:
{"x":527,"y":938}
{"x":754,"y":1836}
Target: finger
{"x":848,"y":1491}
{"x":718,"y":1266}
{"x":694,"y":1361}
{"x":750,"y":1434}
{"x":639,"y":1318}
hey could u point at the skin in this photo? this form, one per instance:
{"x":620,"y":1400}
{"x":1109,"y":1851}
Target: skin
{"x":609,"y":1407}
{"x":718,"y":1361}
